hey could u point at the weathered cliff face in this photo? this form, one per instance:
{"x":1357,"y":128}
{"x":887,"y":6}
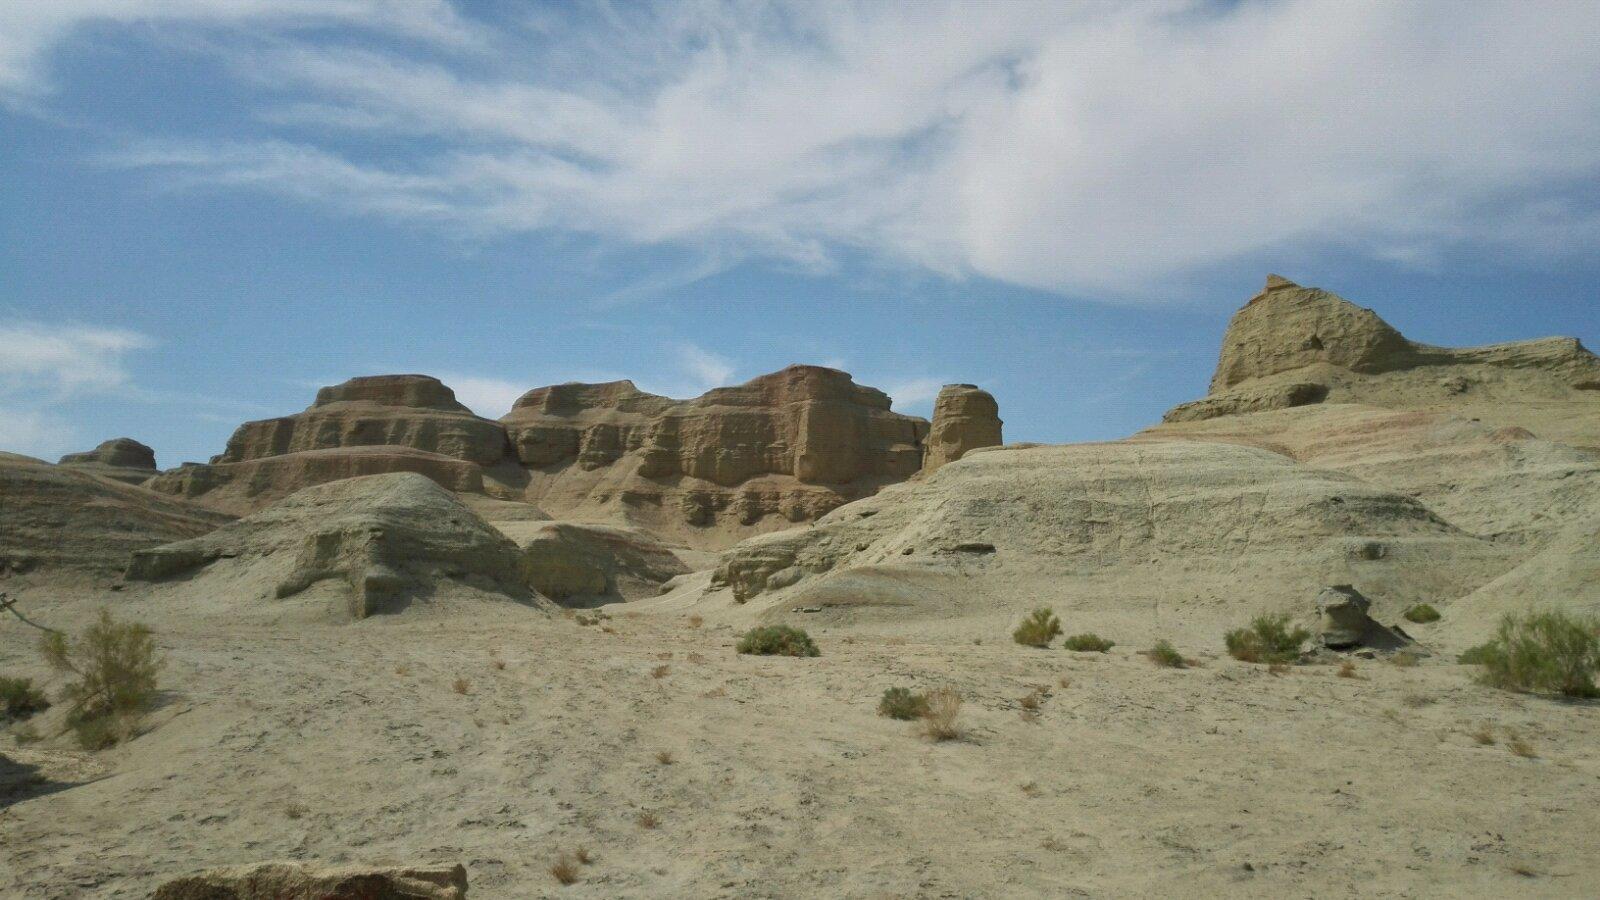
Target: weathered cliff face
{"x":414,"y":411}
{"x":1293,"y":346}
{"x":964,"y":418}
{"x":120,"y":459}
{"x":780,"y":449}
{"x":788,"y":447}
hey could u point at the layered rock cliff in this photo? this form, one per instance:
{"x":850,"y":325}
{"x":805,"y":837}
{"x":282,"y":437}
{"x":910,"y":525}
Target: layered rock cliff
{"x":965,"y":418}
{"x":120,"y":459}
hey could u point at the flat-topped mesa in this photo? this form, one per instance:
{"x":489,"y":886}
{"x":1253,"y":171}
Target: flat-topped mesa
{"x":414,"y":411}
{"x":811,"y":423}
{"x":965,"y":418}
{"x":122,"y":459}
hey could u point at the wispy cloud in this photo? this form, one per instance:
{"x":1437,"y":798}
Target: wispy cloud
{"x":914,"y":394}
{"x":705,"y":369}
{"x":1104,"y":148}
{"x":64,"y":359}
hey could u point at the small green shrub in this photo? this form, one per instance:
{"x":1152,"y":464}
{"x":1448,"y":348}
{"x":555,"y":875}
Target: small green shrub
{"x":1474,"y":656}
{"x":901,"y":703}
{"x":19,"y":699}
{"x":1268,"y":640}
{"x":1167,"y":656}
{"x":116,"y":667}
{"x":777,"y":640}
{"x":1422,"y":614}
{"x":1038,"y":629}
{"x":1087,"y":643}
{"x":1549,"y":652}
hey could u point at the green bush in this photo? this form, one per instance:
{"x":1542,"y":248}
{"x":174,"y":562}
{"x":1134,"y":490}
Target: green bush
{"x":1422,"y":614}
{"x":116,"y":667}
{"x":901,"y":703}
{"x":1167,"y":656}
{"x":777,"y":640}
{"x":1548,"y":652}
{"x":19,"y":699}
{"x":1038,"y":629}
{"x":1268,"y":640}
{"x":1087,"y":643}
{"x":1475,"y":656}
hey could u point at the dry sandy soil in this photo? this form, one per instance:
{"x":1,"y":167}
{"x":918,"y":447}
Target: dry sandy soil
{"x":350,"y":743}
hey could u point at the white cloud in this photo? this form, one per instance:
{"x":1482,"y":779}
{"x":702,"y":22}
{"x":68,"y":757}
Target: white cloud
{"x":490,"y":398}
{"x":64,"y":359}
{"x":705,"y":370}
{"x":33,"y":432}
{"x":915,"y":393}
{"x":1107,"y":148}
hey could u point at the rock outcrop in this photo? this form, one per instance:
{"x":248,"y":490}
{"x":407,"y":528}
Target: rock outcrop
{"x":569,"y":561}
{"x":414,"y":411}
{"x":120,"y":459}
{"x":63,"y":518}
{"x":779,"y":449}
{"x":299,"y":881}
{"x":385,"y":539}
{"x":1295,"y":346}
{"x":964,"y":418}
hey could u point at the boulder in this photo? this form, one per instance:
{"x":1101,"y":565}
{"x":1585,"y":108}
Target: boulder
{"x":1345,"y":622}
{"x":383,"y":538}
{"x":120,"y":459}
{"x":299,"y":881}
{"x":964,"y":418}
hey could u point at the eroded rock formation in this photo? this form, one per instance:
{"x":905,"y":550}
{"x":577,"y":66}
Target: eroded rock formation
{"x":384,"y":538}
{"x":964,"y":418}
{"x":1295,"y":346}
{"x":120,"y":459}
{"x":299,"y":881}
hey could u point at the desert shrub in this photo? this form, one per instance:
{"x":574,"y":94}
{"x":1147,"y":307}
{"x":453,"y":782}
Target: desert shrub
{"x":1087,"y":643}
{"x":1549,"y":652}
{"x":564,"y":869}
{"x":900,"y":703}
{"x":777,"y":640}
{"x":116,"y":667}
{"x":1038,"y":629}
{"x":1167,"y":656}
{"x":1268,"y":640}
{"x":19,"y":699}
{"x":1422,"y":614}
{"x":1474,"y":656}
{"x":1405,"y":659}
{"x":939,"y":719}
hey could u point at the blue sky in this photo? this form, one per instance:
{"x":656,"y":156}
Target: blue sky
{"x":210,"y":207}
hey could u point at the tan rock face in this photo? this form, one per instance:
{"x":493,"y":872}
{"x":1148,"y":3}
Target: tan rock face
{"x":387,"y":410}
{"x":964,"y":418}
{"x":1287,"y":327}
{"x":122,"y":459}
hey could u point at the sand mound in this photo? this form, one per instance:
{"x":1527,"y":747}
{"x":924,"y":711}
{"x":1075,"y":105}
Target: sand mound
{"x":65,"y":518}
{"x":1117,"y":528}
{"x":383,"y":540}
{"x":568,"y":561}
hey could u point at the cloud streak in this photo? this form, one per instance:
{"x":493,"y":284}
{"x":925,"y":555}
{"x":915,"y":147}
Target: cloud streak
{"x":1106,"y":149}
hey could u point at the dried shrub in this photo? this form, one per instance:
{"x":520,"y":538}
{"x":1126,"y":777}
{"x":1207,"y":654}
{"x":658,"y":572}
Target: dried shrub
{"x":777,"y":640}
{"x":646,"y":819}
{"x":900,"y":703}
{"x":1166,"y":656}
{"x":660,"y":671}
{"x":939,"y":719}
{"x":1347,"y":669}
{"x":1544,"y":652}
{"x":19,"y":699}
{"x":1087,"y":643}
{"x":116,"y":665}
{"x":1404,"y":660}
{"x":1038,"y":629}
{"x":1422,"y":614}
{"x":664,"y":757}
{"x":1269,"y":639}
{"x":564,"y":869}
{"x":461,"y":686}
